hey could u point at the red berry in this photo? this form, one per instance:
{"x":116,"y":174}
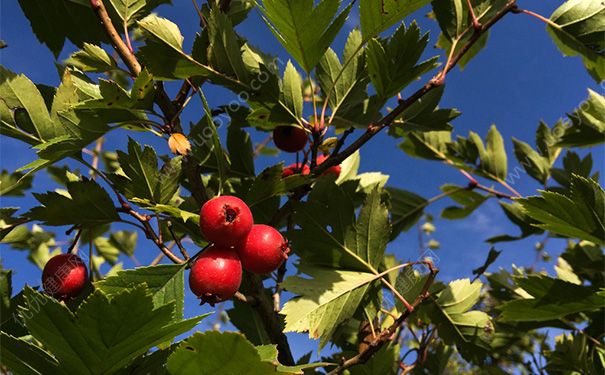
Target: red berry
{"x":290,"y":138}
{"x":295,"y":169}
{"x":335,"y":169}
{"x":225,"y":220}
{"x":64,"y":276}
{"x":215,"y":275}
{"x":264,"y":249}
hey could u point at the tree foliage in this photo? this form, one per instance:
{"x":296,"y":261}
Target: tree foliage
{"x":345,"y":286}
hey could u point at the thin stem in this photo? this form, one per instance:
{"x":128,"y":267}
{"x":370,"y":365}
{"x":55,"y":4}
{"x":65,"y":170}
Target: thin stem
{"x":474,"y":20}
{"x":537,"y":16}
{"x":177,"y":241}
{"x":397,"y":294}
{"x":121,"y":48}
{"x":73,"y":248}
{"x":510,"y":188}
{"x":342,"y":139}
{"x":263,"y":144}
{"x":127,"y":36}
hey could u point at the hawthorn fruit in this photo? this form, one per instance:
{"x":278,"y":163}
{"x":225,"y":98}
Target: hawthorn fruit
{"x":335,"y":170}
{"x":290,"y":138}
{"x":225,"y":220}
{"x":64,"y":276}
{"x":215,"y":275}
{"x":293,"y":169}
{"x":264,"y":250}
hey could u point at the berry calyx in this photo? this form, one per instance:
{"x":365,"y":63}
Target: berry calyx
{"x":290,"y":138}
{"x":264,"y":250}
{"x":335,"y":169}
{"x":225,"y":220}
{"x":295,"y":169}
{"x":64,"y":276}
{"x":215,"y":275}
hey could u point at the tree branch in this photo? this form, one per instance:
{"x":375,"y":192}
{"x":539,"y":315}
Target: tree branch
{"x":389,"y":333}
{"x":434,"y":82}
{"x":118,"y":44}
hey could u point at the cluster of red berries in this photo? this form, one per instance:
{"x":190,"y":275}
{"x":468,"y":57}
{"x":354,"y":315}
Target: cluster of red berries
{"x":237,"y":243}
{"x":294,"y":139}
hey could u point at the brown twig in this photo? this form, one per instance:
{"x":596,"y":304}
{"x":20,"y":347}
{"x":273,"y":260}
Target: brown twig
{"x":177,"y":240}
{"x":387,"y":334}
{"x":436,"y":81}
{"x":118,"y":44}
{"x":342,"y":139}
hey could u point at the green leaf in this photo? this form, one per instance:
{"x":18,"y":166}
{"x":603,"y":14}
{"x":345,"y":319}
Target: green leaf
{"x":92,"y":58}
{"x":493,"y":161}
{"x":470,"y":201}
{"x":224,"y":51}
{"x":129,"y":10}
{"x":141,"y":178}
{"x":164,"y":281}
{"x":573,"y":355}
{"x":53,"y":21}
{"x":392,"y":64}
{"x":249,"y":322}
{"x":551,"y":299}
{"x":269,"y":183}
{"x":579,"y":31}
{"x":125,"y":241}
{"x":213,"y":352}
{"x":377,"y":16}
{"x":406,"y":209}
{"x":88,"y":205}
{"x":240,"y":149}
{"x":290,"y":22}
{"x":23,"y":357}
{"x":515,"y":213}
{"x":427,"y":145}
{"x":344,"y":86}
{"x":534,"y":164}
{"x":578,"y":215}
{"x":424,"y":115}
{"x":330,"y":236}
{"x":105,"y":334}
{"x":587,"y":123}
{"x":221,"y":160}
{"x":470,"y":331}
{"x":268,"y":353}
{"x":19,"y":92}
{"x":14,"y":184}
{"x":292,"y":91}
{"x":326,"y":300}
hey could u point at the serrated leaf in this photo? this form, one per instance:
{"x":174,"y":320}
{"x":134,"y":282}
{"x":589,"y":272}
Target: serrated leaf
{"x":269,"y":183}
{"x":406,"y":209}
{"x":534,"y":164}
{"x":492,"y":156}
{"x":105,"y":334}
{"x":290,"y":20}
{"x":164,"y":281}
{"x":88,"y":205}
{"x":240,"y":150}
{"x":328,"y":299}
{"x":224,"y":51}
{"x":579,"y":31}
{"x":268,"y":353}
{"x":124,"y":241}
{"x":377,"y":16}
{"x":54,"y":21}
{"x":91,"y":58}
{"x":14,"y":184}
{"x":329,"y":235}
{"x":470,"y":201}
{"x":424,"y":115}
{"x":292,"y":91}
{"x":212,"y":352}
{"x":551,"y":299}
{"x":587,"y":123}
{"x":344,"y":84}
{"x":514,"y":212}
{"x":578,"y":215}
{"x":221,"y":160}
{"x":470,"y":331}
{"x":393,"y":64}
{"x":23,"y":357}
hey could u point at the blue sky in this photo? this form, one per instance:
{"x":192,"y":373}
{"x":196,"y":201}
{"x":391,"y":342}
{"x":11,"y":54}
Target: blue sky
{"x":519,"y":79}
